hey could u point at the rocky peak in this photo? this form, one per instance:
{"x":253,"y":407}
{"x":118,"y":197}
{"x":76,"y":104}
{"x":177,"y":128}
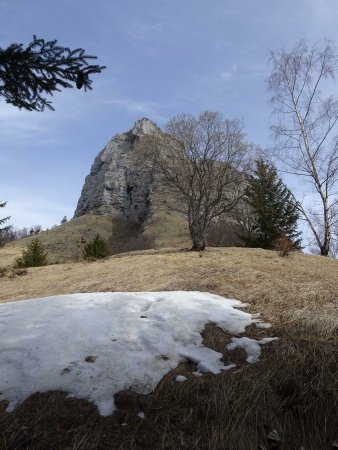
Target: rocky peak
{"x":144,"y":126}
{"x":114,"y":187}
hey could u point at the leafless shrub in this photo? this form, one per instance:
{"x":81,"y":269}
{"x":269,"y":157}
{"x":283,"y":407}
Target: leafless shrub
{"x":224,"y":233}
{"x":7,"y":235}
{"x":35,"y":230}
{"x":283,"y":245}
{"x":14,"y":234}
{"x":14,"y":272}
{"x":20,"y":272}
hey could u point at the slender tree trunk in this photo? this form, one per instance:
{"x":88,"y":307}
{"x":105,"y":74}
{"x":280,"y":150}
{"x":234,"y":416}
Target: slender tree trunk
{"x":325,"y":247}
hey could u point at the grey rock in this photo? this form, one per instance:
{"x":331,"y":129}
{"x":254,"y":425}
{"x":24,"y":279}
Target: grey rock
{"x":115,"y":187}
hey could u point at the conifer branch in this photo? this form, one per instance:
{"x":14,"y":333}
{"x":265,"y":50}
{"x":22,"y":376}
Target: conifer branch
{"x":28,"y":74}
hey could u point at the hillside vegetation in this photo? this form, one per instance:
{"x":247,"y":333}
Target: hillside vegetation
{"x":293,"y":390}
{"x":65,"y":243}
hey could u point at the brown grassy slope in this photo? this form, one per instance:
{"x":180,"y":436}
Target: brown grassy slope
{"x":168,"y":229}
{"x":293,"y":390}
{"x":65,"y":243}
{"x":300,"y":288}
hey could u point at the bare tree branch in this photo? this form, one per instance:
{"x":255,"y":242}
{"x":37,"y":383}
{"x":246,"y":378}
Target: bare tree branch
{"x":202,"y":158}
{"x":306,"y":133}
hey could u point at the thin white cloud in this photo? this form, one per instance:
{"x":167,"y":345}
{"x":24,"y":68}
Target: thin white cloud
{"x":226,"y":75}
{"x":229,"y":73}
{"x":136,"y":106}
{"x":147,"y":108}
{"x":143,"y":30}
{"x":218,"y":79}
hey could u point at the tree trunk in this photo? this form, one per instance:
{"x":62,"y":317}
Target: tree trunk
{"x":197,"y":237}
{"x":198,"y":245}
{"x":324,"y":249}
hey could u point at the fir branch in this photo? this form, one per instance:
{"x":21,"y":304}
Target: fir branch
{"x":28,"y":74}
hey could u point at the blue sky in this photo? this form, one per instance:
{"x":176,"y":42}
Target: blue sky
{"x":163,"y":58}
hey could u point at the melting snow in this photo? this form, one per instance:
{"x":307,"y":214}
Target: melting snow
{"x":251,"y":346}
{"x":95,"y":345}
{"x":181,"y":378}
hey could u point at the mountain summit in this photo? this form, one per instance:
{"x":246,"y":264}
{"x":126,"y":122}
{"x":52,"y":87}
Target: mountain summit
{"x":115,"y":187}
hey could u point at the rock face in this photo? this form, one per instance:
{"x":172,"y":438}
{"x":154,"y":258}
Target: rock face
{"x":115,"y":187}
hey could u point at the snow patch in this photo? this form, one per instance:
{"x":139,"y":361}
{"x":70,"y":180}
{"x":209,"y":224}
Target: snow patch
{"x":97,"y":344}
{"x":264,"y":325}
{"x":181,"y":378}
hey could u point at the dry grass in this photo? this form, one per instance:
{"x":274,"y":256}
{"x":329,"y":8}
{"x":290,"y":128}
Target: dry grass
{"x":292,"y":390}
{"x":65,"y":243}
{"x":168,"y":229}
{"x":301,"y":288}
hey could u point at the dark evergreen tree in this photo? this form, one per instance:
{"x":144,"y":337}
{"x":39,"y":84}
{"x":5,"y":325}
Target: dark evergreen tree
{"x":43,"y":67}
{"x":34,"y":256}
{"x":96,"y":249}
{"x":273,"y":208}
{"x":3,"y":230}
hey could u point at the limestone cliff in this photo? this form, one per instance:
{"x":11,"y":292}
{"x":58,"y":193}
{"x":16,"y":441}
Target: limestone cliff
{"x":114,"y":186}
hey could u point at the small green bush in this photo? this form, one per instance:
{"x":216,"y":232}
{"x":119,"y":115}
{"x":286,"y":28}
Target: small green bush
{"x":96,"y":249}
{"x":34,"y":256}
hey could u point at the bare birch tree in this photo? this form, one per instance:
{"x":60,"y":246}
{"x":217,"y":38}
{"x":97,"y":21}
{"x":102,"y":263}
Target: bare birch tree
{"x":200,"y":157}
{"x":307,"y":127}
